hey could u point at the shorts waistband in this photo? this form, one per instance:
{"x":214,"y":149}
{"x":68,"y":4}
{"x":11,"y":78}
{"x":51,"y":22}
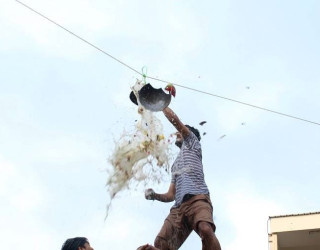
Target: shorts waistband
{"x":187,"y":197}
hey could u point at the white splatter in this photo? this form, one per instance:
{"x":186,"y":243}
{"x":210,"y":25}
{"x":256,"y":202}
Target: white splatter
{"x":135,"y":152}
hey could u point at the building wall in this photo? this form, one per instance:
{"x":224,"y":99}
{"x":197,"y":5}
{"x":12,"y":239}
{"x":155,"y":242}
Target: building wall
{"x":273,"y":242}
{"x":300,"y":248}
{"x":295,"y":232}
{"x":294,"y":223}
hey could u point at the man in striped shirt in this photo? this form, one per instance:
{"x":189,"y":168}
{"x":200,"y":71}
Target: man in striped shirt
{"x":192,"y":209}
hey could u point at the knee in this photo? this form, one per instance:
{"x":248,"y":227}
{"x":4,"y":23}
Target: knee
{"x":160,"y":243}
{"x":205,"y":229}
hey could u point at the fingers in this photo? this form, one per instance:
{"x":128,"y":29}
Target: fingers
{"x":149,"y":194}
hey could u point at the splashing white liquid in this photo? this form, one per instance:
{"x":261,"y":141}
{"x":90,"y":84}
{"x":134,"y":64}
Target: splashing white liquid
{"x":134,"y":154}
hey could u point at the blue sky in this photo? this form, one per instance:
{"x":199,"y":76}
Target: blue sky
{"x":63,"y":104}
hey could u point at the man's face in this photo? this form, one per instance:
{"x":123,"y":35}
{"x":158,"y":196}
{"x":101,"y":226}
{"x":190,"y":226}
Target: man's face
{"x":179,"y":139}
{"x":86,"y":247}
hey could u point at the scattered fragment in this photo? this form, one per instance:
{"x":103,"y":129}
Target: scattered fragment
{"x":160,"y":137}
{"x":204,"y":133}
{"x":201,"y":123}
{"x":221,"y":137}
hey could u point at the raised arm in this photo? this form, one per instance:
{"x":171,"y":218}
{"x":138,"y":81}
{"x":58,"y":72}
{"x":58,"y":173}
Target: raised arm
{"x":174,"y":119}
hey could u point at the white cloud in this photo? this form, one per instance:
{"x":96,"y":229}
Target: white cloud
{"x":7,"y":174}
{"x":164,"y":24}
{"x":60,"y":148}
{"x":21,"y":190}
{"x":22,"y":197}
{"x":78,"y":16}
{"x":26,"y":232}
{"x":21,"y":131}
{"x":28,"y":199}
{"x":249,"y":213}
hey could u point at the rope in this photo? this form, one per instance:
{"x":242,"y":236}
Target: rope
{"x":144,"y":75}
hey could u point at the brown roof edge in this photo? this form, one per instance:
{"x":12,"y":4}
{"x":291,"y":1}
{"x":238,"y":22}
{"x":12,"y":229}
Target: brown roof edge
{"x":288,"y":215}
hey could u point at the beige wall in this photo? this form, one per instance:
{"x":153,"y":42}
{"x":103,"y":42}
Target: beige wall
{"x":273,"y":242}
{"x":300,"y":248}
{"x":295,"y":232}
{"x":292,"y":223}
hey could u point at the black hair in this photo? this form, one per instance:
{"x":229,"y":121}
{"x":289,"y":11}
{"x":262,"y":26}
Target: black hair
{"x":195,"y":131}
{"x":74,"y":243}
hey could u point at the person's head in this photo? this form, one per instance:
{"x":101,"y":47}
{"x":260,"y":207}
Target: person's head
{"x":77,"y":243}
{"x":179,"y":138}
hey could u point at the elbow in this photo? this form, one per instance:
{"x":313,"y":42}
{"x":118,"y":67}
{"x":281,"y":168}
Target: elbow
{"x":171,"y":197}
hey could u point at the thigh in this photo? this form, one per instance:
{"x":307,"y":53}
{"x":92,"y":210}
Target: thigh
{"x":175,"y":230}
{"x":200,"y":210}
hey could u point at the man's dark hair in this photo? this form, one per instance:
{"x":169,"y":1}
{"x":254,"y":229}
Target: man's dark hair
{"x":195,"y":131}
{"x":74,"y":243}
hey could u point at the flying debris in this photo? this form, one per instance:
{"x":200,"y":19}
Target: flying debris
{"x":221,"y":137}
{"x":248,"y":87}
{"x":201,"y":123}
{"x":136,"y":151}
{"x":204,"y":133}
{"x":243,"y":123}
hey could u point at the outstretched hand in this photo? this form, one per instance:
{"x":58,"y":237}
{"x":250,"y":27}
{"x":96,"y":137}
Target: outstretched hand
{"x":149,"y":194}
{"x":171,"y":89}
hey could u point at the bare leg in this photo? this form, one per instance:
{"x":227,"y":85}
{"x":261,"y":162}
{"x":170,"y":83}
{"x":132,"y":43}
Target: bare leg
{"x":171,"y":237}
{"x":161,"y":244}
{"x":208,"y":237}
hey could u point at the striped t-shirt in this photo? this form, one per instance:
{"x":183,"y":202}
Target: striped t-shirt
{"x":187,"y":170}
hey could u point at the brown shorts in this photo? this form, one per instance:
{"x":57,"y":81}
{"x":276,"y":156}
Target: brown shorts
{"x":182,"y":220}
